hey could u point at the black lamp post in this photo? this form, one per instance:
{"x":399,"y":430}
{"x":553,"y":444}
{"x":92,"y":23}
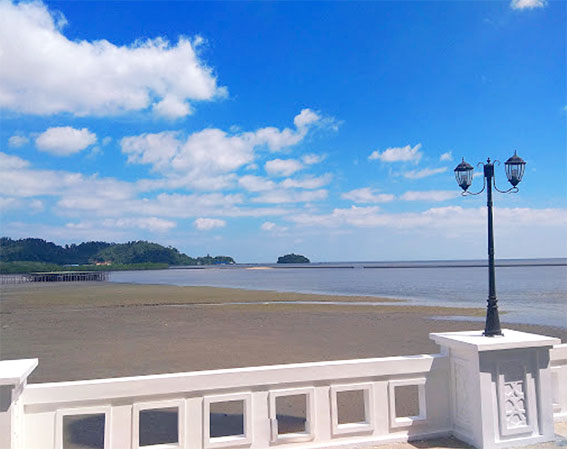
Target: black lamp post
{"x":464,"y":174}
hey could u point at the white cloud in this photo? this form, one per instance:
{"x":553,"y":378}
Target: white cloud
{"x":9,"y":162}
{"x":46,"y":73}
{"x":112,"y":225}
{"x":210,"y":154}
{"x":19,"y":180}
{"x":9,"y":203}
{"x":64,"y":140}
{"x":172,"y":107}
{"x":448,"y":156}
{"x":287,"y":196}
{"x":308,"y":182}
{"x":310,"y":159}
{"x":430,"y":195}
{"x":304,"y":121}
{"x":212,"y":150}
{"x":33,"y":206}
{"x":267,"y":226}
{"x":17,"y":141}
{"x":276,"y":139}
{"x":153,"y":224}
{"x":398,"y":154}
{"x":367,"y":195}
{"x":424,"y":173}
{"x":154,"y":149}
{"x":527,"y":4}
{"x":256,"y":183}
{"x":305,"y":118}
{"x":449,"y":217}
{"x":206,"y":224}
{"x":283,"y":167}
{"x":118,"y":206}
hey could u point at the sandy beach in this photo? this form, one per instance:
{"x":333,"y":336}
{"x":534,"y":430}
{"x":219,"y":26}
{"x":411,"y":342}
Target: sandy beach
{"x":95,"y":330}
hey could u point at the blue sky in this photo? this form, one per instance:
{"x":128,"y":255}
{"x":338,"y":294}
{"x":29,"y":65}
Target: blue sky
{"x":256,"y":129}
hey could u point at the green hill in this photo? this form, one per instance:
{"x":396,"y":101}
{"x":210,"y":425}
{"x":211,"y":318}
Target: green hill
{"x":293,"y":258}
{"x":139,"y":252}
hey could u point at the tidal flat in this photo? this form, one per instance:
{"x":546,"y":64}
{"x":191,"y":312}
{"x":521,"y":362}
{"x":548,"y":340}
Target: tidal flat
{"x":96,"y":330}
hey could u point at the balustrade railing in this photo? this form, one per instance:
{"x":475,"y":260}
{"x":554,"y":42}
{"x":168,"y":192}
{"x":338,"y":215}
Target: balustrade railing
{"x":306,"y":405}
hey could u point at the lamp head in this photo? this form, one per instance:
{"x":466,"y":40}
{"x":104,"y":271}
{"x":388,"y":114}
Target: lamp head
{"x":464,"y":175}
{"x":515,"y":167}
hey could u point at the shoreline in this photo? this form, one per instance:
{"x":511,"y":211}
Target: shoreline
{"x":99,"y":330}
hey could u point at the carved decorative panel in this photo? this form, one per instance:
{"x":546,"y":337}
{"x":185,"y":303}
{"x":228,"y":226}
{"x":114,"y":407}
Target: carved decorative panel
{"x":515,"y":409}
{"x":513,"y":398}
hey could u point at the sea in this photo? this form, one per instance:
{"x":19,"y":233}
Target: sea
{"x":529,"y":291}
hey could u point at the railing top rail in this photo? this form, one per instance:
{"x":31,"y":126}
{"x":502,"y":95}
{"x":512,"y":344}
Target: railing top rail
{"x":233,"y":379}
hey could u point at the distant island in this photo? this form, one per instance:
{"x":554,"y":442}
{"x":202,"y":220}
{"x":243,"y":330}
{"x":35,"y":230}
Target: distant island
{"x":32,"y":254}
{"x":293,"y":258}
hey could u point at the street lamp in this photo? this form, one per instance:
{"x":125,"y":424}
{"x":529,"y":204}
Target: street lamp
{"x":464,"y":174}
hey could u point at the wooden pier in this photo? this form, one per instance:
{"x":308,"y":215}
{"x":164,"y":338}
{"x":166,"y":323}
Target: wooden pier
{"x":59,"y":276}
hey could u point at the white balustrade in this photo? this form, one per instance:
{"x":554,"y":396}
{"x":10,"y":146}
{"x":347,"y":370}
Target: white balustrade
{"x":462,"y":391}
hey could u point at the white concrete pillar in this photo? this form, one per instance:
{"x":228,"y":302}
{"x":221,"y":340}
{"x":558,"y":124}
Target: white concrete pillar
{"x":13,"y":379}
{"x":500,"y":387}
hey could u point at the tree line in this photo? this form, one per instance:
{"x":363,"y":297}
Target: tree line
{"x":135,"y":252}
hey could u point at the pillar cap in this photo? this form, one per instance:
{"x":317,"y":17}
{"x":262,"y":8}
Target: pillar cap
{"x":474,"y":340}
{"x":15,"y":372}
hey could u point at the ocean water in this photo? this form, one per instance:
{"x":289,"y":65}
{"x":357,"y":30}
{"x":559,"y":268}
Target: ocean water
{"x":528,"y":291}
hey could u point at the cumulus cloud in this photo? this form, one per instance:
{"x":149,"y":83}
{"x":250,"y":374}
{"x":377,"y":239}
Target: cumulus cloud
{"x":111,"y":225}
{"x":195,"y":160}
{"x":206,"y":224}
{"x":310,"y":159}
{"x":367,"y":195}
{"x":449,"y":217}
{"x":423,"y":173}
{"x":276,"y":139}
{"x":46,"y":73}
{"x":9,"y":162}
{"x":172,"y":107}
{"x":256,"y":183}
{"x":17,"y":179}
{"x":213,"y":150}
{"x":153,"y":149}
{"x":398,"y":154}
{"x":527,"y":4}
{"x":287,"y":196}
{"x":305,"y":118}
{"x":17,"y":141}
{"x":430,"y":195}
{"x":64,"y":140}
{"x":307,"y":182}
{"x":283,"y":167}
{"x":154,"y":224}
{"x":269,"y":226}
{"x":32,"y":206}
{"x":9,"y":203}
{"x":448,"y":156}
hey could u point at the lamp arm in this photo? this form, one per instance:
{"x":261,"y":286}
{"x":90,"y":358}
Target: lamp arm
{"x":510,"y":190}
{"x":467,"y":193}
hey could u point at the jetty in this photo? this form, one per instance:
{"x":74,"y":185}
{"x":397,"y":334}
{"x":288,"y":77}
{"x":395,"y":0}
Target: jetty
{"x":56,"y":276}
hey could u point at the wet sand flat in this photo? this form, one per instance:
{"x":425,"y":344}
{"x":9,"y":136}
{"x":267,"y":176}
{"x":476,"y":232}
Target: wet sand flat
{"x":95,"y":330}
